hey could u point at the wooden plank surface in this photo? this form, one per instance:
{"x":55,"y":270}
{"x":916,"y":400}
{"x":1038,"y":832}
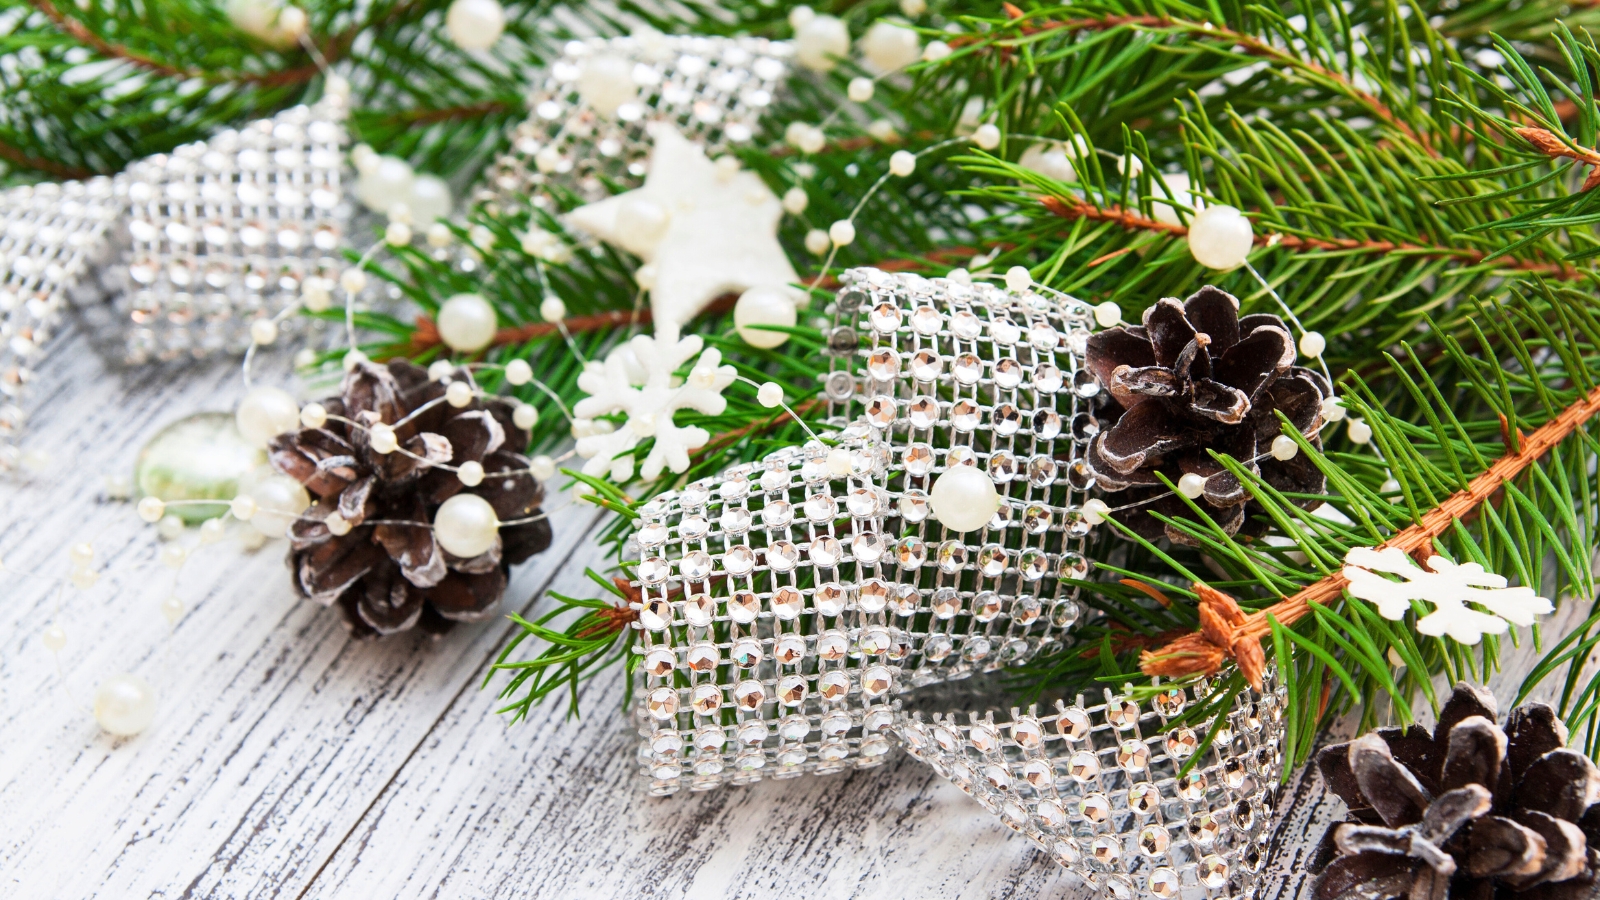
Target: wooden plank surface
{"x":289,"y":761}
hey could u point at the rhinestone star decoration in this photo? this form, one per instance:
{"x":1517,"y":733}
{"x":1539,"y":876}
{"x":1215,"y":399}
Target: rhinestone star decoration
{"x":706,"y":228}
{"x":1446,"y":585}
{"x":637,"y":379}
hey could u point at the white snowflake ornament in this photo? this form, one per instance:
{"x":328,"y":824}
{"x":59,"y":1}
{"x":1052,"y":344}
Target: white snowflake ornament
{"x":1446,"y":585}
{"x":637,"y":379}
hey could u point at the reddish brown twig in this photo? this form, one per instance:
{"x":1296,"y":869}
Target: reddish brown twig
{"x":1225,"y":635}
{"x":1133,"y":221}
{"x":22,"y":160}
{"x":1546,"y":142}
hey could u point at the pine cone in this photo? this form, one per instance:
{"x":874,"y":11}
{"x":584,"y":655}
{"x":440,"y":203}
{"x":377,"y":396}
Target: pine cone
{"x":1471,"y":811}
{"x":1193,"y":378}
{"x":386,"y":576}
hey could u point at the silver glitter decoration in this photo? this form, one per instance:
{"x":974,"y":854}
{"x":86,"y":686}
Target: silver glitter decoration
{"x":50,"y":236}
{"x":1098,"y":786}
{"x":712,"y":89}
{"x":222,"y":232}
{"x":947,"y":374}
{"x":767,"y":644}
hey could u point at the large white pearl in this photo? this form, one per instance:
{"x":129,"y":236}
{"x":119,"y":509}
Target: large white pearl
{"x":430,"y":200}
{"x":889,"y":47}
{"x":466,"y":525}
{"x":1178,"y":184}
{"x":1219,"y":237}
{"x":641,"y":223}
{"x":475,"y":24}
{"x":265,"y":413}
{"x":124,"y":705}
{"x":605,"y":83}
{"x":763,"y":306}
{"x":279,"y":502}
{"x":819,"y":41}
{"x":467,"y":323}
{"x":390,"y":179}
{"x":964,"y":499}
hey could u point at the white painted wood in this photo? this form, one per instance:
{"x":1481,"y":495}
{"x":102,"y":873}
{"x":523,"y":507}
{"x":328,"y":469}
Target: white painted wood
{"x":288,"y":761}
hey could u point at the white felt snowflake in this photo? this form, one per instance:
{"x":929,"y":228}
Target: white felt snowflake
{"x":1449,"y":587}
{"x":637,"y":379}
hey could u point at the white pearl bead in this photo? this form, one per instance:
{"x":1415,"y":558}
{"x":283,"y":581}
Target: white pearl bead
{"x":471,"y":473}
{"x":551,"y":309}
{"x":466,"y":525}
{"x":1360,"y":432}
{"x":518,"y":372}
{"x":1284,"y":448}
{"x":1107,"y":314}
{"x":764,"y":306}
{"x":263,"y":331}
{"x":525,"y":416}
{"x":542,"y":467}
{"x":315,"y":295}
{"x":964,"y":498}
{"x":645,"y":275}
{"x":795,"y":201}
{"x":1018,"y":278}
{"x":902,"y":163}
{"x":860,"y":89}
{"x":441,"y":370}
{"x":605,"y":83}
{"x":364,"y":158}
{"x":458,"y":394}
{"x":305,"y":358}
{"x":337,"y":525}
{"x":353,"y":280}
{"x":770,"y":395}
{"x":81,"y":554}
{"x":151,"y":509}
{"x":812,"y":139}
{"x":467,"y":323}
{"x":1192,"y":485}
{"x":292,"y":23}
{"x":820,"y":41}
{"x":266,"y":412}
{"x":1220,"y":237}
{"x":84,"y":579}
{"x":173,"y":555}
{"x":251,"y":539}
{"x":382,"y":438}
{"x":987,"y":136}
{"x":1129,"y":166}
{"x":243,"y":507}
{"x":888,"y":47}
{"x":1312,"y":344}
{"x":397,"y":234}
{"x":548,"y":160}
{"x":913,"y":8}
{"x":430,"y":200}
{"x":1095,"y":511}
{"x":475,"y":24}
{"x":882,"y":130}
{"x":389,"y":179}
{"x":838,"y":461}
{"x":842,"y":232}
{"x":800,"y":15}
{"x":172,"y":607}
{"x":1332,"y":409}
{"x":959,"y":276}
{"x":817,"y":241}
{"x":935,"y":51}
{"x":641,"y":223}
{"x":212,"y":531}
{"x":279,"y":502}
{"x":54,"y":638}
{"x":1178,"y":183}
{"x":440,"y":235}
{"x":124,"y":705}
{"x":170,"y":528}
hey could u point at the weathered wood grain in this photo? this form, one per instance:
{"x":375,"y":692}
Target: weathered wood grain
{"x":288,"y":761}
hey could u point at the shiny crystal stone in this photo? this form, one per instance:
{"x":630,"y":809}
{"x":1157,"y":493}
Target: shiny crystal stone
{"x":739,"y":560}
{"x":938,"y":648}
{"x":653,"y":535}
{"x":867,"y":547}
{"x":833,"y":686}
{"x":911,"y":553}
{"x":873,"y":595}
{"x":946,"y":603}
{"x":746,"y":653}
{"x":926,"y":366}
{"x":794,"y":728}
{"x":992,"y":560}
{"x":923,"y":412}
{"x":880,"y":411}
{"x":783,"y":556}
{"x":1041,"y":471}
{"x":706,"y":699}
{"x":653,"y":570}
{"x":1025,"y":610}
{"x":965,"y":325}
{"x":793,"y":756}
{"x":925,"y":320}
{"x":1072,"y":565}
{"x":1133,"y":755}
{"x":695,"y":495}
{"x":666,"y":771}
{"x":1007,"y":374}
{"x":1002,"y":467}
{"x":966,"y":369}
{"x":833,"y":751}
{"x":1042,"y":337}
{"x":875,"y":681}
{"x":914,"y":506}
{"x":703,"y":657}
{"x":1083,"y":766}
{"x":666,"y":743}
{"x":775,"y":479}
{"x":1046,"y":424}
{"x":1036,"y":518}
{"x":832,"y":646}
{"x":1164,"y":882}
{"x":663,"y":703}
{"x":986,"y":606}
{"x":952,"y":556}
{"x":656,"y":614}
{"x":977,"y":649}
{"x":1037,"y":772}
{"x":1192,"y":787}
{"x":1004,"y":332}
{"x":1073,"y":724}
{"x":836,"y":724}
{"x":879,"y":719}
{"x":743,"y":607}
{"x":698,"y":610}
{"x":998,"y":778}
{"x":984,"y":738}
{"x":883,"y":364}
{"x":826,"y":552}
{"x":821,"y":508}
{"x":1122,"y":714}
{"x":789,"y":649}
{"x":1005,"y":420}
{"x":659,"y":663}
{"x":964,"y":416}
{"x":778,"y":514}
{"x":1170,"y":703}
{"x":830,"y":598}
{"x":792,"y":690}
{"x":960,"y":456}
{"x":1033,"y":564}
{"x":1233,"y":773}
{"x":749,"y":695}
{"x":945,"y":740}
{"x":1046,"y":378}
{"x":696,"y":565}
{"x":1106,"y":850}
{"x":787,"y":602}
{"x":750,"y":760}
{"x":875,"y":642}
{"x":1244,"y":817}
{"x":862,"y":503}
{"x":1153,"y":840}
{"x":1027,"y":732}
{"x":1144,"y":798}
{"x":1065,"y":850}
{"x":735,"y":520}
{"x":1213,"y":871}
{"x":1224,"y":735}
{"x":1084,"y":384}
{"x":885,"y":318}
{"x":1182,"y":743}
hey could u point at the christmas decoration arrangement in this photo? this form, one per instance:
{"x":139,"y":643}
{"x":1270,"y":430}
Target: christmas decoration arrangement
{"x":1205,"y":374}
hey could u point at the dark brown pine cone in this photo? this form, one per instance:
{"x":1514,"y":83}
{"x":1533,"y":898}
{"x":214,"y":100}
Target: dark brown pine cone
{"x":1196,"y":377}
{"x":1470,"y":811}
{"x":388,"y":577}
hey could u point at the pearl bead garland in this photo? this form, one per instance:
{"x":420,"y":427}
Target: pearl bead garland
{"x":1360,"y":432}
{"x":1284,"y":448}
{"x":964,"y":499}
{"x":987,"y":137}
{"x":764,"y":306}
{"x":475,"y":24}
{"x":889,"y":47}
{"x":466,"y":526}
{"x":266,"y":412}
{"x":1192,"y":485}
{"x":902,"y":163}
{"x":819,"y":41}
{"x":1108,"y":314}
{"x":382,"y":438}
{"x":1312,"y":344}
{"x":1095,"y":511}
{"x":124,"y":705}
{"x":458,"y":394}
{"x":525,"y":416}
{"x":518,"y":372}
{"x":471,"y":473}
{"x":842,"y":232}
{"x":279,"y":502}
{"x":1220,"y":237}
{"x":467,"y":323}
{"x":770,"y":395}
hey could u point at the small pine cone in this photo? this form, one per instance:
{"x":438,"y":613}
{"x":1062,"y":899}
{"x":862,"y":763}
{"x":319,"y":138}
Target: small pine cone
{"x":1472,"y":810}
{"x":387,"y":575}
{"x":1195,"y":377}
